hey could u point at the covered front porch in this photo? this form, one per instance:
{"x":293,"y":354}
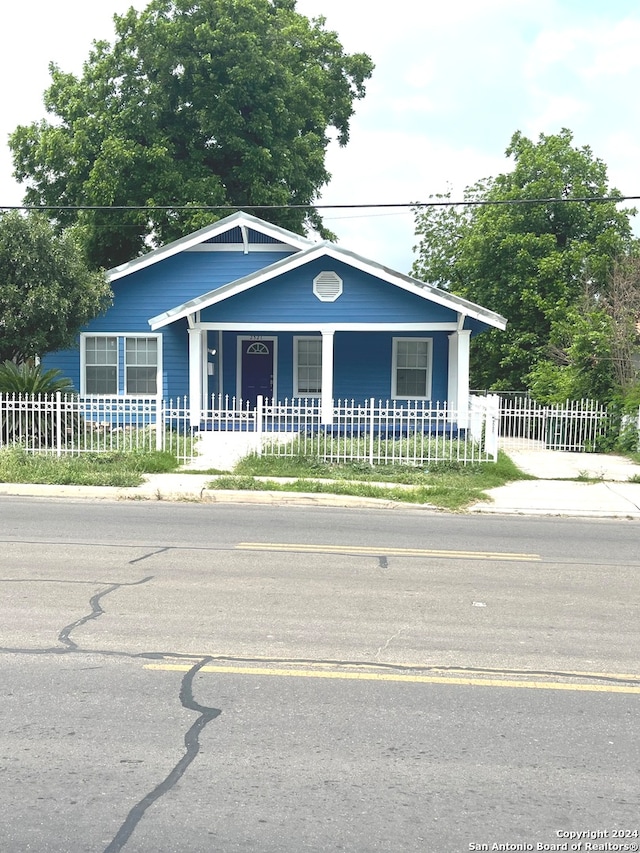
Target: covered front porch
{"x":405,"y":366}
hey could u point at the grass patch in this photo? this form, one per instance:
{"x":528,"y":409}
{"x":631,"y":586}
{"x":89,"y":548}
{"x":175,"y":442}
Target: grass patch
{"x":448,"y":485}
{"x":117,"y":468}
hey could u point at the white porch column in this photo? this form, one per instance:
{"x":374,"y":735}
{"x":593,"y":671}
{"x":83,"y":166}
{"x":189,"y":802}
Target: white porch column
{"x":326,"y":399}
{"x":196,"y":379}
{"x":459,"y":375}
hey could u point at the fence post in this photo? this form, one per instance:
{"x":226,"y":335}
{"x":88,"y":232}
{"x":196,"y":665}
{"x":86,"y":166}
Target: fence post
{"x":492,"y":426}
{"x":371,"y":405}
{"x":59,"y":423}
{"x":259,"y":416}
{"x":159,"y":423}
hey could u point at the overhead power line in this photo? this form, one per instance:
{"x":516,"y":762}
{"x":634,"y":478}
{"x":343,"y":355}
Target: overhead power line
{"x":440,"y":202}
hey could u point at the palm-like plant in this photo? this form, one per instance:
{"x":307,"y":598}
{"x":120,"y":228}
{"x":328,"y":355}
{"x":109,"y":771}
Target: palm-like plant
{"x":32,"y":424}
{"x":32,"y":379}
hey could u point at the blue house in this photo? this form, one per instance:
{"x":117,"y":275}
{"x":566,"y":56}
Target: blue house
{"x":243,"y":308}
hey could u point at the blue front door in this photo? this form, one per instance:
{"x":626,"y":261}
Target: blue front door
{"x":257,"y":370}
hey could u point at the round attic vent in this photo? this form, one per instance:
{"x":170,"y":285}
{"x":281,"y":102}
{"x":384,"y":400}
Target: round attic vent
{"x":327,"y":286}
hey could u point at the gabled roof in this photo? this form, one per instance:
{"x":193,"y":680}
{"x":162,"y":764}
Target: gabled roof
{"x":207,"y":234}
{"x":312,"y":252}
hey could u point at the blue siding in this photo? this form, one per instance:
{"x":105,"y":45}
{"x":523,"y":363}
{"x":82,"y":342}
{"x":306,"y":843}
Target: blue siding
{"x":67,"y":361}
{"x":156,"y":289}
{"x":162,"y":286}
{"x":234,"y":236}
{"x":175,"y":360}
{"x":290,"y":298}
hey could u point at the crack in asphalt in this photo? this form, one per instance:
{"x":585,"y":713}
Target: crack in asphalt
{"x":192,"y":748}
{"x":187,"y":700}
{"x":346,"y":664}
{"x":205,"y":713}
{"x":386,"y":645}
{"x":96,"y":611}
{"x":151,"y":554}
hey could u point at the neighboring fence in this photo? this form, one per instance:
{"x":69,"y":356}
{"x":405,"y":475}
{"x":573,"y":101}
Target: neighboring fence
{"x":577,"y":425}
{"x":374,"y":432}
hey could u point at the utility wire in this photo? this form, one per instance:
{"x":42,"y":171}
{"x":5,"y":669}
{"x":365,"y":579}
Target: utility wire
{"x":416,"y":205}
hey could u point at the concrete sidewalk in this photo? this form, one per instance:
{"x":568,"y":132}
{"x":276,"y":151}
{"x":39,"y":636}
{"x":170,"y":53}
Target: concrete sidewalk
{"x":607,"y":494}
{"x":605,"y":491}
{"x":562,"y":497}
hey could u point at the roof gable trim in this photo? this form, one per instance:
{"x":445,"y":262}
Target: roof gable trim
{"x":193,"y":241}
{"x":321,"y":250}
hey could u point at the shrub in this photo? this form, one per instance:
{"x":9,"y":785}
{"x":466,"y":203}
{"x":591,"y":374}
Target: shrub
{"x":32,"y":379}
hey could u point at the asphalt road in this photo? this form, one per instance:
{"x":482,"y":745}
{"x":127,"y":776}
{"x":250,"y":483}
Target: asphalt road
{"x":189,"y":677}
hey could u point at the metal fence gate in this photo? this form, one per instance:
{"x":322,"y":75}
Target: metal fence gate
{"x":576,"y":425}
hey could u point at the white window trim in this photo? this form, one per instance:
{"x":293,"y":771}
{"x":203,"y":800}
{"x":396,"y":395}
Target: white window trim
{"x":296,"y":341}
{"x":120,"y":363}
{"x":394,"y":366}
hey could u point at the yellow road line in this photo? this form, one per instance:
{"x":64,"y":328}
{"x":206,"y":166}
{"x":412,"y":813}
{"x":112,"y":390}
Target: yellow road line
{"x":377,"y":550}
{"x":409,"y":667}
{"x":387,"y":676}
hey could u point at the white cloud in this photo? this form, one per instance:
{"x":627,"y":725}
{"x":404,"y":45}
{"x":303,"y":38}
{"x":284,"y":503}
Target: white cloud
{"x":453,"y":81}
{"x":554,"y":112}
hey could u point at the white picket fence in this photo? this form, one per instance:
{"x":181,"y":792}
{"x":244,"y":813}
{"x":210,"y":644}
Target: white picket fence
{"x":373,"y":432}
{"x":577,"y":425}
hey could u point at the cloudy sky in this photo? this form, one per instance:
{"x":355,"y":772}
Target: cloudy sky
{"x":453,"y":80}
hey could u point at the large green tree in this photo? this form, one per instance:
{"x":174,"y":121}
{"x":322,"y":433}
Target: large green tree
{"x":197,"y":102}
{"x":529,"y":260}
{"x":593,"y":350}
{"x":47,"y":291}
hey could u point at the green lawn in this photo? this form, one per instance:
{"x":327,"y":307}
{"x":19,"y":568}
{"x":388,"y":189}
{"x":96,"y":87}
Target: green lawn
{"x":446,"y":485}
{"x":89,"y":469}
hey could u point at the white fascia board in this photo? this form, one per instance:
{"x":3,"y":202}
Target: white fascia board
{"x":296,"y":241}
{"x":239,"y":248}
{"x":327,"y":327}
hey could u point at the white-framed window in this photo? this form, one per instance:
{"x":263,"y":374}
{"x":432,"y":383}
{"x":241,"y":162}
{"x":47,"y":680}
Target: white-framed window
{"x":141,"y":366}
{"x":411,"y":368}
{"x":307,"y":366}
{"x":120,"y":365}
{"x":100,"y":373}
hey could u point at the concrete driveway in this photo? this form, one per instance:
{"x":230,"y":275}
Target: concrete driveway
{"x":605,"y":490}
